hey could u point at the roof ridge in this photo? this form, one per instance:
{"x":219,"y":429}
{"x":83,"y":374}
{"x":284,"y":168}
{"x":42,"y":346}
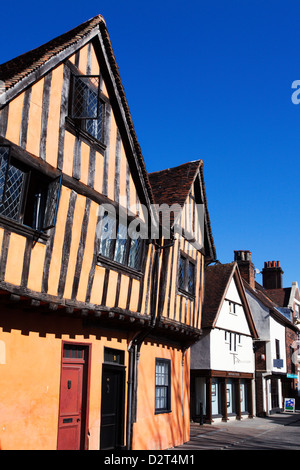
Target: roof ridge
{"x":176,"y":167}
{"x":19,"y":67}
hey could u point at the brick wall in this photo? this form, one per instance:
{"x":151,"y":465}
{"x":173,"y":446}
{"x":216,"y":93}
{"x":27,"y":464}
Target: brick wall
{"x":290,"y":341}
{"x":260,"y":367}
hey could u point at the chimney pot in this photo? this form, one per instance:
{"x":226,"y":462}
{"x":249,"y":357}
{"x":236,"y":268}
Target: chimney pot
{"x":246,"y":267}
{"x":272,"y":275}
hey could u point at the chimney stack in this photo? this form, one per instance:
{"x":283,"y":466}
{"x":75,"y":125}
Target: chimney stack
{"x":246,"y":267}
{"x":272,"y":275}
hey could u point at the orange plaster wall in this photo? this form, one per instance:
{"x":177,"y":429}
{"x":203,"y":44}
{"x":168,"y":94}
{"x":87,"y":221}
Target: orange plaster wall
{"x":13,"y":272}
{"x":165,"y":430}
{"x":58,"y":241}
{"x":36,"y":268}
{"x":14,"y":119}
{"x":98,"y":183}
{"x":29,"y":387}
{"x":97,"y":289}
{"x":123,"y":291}
{"x":84,"y":166}
{"x":76,"y":232}
{"x":88,"y":252}
{"x":35,"y":118}
{"x":68,"y":153}
{"x":112,"y":156}
{"x":30,"y":367}
{"x":54,"y":116}
{"x":112,"y":288}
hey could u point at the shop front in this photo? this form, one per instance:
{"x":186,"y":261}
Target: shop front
{"x":220,"y":395}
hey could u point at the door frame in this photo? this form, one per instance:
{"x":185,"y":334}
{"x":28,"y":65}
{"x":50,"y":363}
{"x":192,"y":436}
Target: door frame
{"x":85,"y":387}
{"x":107,"y":366}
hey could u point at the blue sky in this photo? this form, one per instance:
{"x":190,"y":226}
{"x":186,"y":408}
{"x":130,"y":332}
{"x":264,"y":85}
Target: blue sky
{"x":210,"y":80}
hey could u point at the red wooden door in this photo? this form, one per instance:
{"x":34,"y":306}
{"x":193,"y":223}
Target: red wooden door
{"x":71,"y":417}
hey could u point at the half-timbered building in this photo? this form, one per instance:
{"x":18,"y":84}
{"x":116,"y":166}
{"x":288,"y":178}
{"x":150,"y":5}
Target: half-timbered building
{"x":186,"y":245}
{"x":94,"y":323}
{"x":222,"y":361}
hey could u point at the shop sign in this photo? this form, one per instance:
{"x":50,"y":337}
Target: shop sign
{"x":289,"y":404}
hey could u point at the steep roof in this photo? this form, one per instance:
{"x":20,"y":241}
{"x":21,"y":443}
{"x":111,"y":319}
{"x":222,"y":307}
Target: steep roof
{"x":280,"y":296}
{"x":262,"y":296}
{"x":172,"y":185}
{"x":16,"y":69}
{"x":28,"y":67}
{"x":217,"y":281}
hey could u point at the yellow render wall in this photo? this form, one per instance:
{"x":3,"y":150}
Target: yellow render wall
{"x":164,"y":430}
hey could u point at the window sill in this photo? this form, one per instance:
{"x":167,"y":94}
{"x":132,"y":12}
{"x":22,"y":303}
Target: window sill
{"x":159,"y":412}
{"x":186,"y":294}
{"x":111,"y":264}
{"x":24,"y":230}
{"x":74,"y":128}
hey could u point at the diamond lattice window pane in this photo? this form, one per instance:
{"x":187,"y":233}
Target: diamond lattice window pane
{"x":85,"y":97}
{"x":94,"y":126}
{"x":191,"y":280}
{"x":108,"y":235}
{"x":4,"y":154}
{"x":121,"y":242}
{"x":11,"y":202}
{"x":52,"y":203}
{"x":181,"y":272}
{"x":135,"y":253}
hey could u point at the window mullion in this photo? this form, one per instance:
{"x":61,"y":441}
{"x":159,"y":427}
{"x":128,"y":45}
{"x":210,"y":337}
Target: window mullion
{"x":6,"y":176}
{"x":24,"y":195}
{"x":114,"y":241}
{"x":127,"y":248}
{"x":186,"y":274}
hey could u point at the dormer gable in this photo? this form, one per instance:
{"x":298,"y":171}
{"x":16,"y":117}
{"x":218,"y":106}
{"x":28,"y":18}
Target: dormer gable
{"x":181,"y":189}
{"x":225,"y":302}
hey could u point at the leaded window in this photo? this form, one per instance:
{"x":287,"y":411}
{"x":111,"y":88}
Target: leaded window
{"x":186,"y":275}
{"x":27,"y":196}
{"x":120,"y":244}
{"x":86,"y":106}
{"x":162,"y":385}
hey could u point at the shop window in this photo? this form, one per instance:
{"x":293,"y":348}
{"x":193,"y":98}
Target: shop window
{"x":162,"y":385}
{"x":26,"y":195}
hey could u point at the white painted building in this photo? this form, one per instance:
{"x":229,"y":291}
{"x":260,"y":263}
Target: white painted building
{"x":222,"y":362}
{"x":275,"y":368}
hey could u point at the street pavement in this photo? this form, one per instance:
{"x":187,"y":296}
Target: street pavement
{"x":280,"y":431}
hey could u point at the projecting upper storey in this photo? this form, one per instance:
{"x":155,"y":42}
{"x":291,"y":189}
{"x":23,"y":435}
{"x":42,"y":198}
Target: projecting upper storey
{"x":72,"y":180}
{"x":188,"y":244}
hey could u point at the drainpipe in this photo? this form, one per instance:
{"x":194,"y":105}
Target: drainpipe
{"x":134,"y":355}
{"x":134,"y":352}
{"x":136,"y":343}
{"x":184,"y":350}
